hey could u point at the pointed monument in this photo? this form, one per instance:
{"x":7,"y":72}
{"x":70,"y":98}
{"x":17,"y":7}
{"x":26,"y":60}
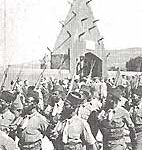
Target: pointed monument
{"x":79,"y":36}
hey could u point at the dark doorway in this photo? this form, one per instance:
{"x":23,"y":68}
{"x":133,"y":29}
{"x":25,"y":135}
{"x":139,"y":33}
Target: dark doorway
{"x":94,"y":62}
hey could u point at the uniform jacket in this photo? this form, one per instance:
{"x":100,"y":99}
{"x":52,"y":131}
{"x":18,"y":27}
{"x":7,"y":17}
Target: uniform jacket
{"x":113,"y":121}
{"x":32,"y":128}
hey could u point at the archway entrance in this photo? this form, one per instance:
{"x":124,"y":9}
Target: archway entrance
{"x":92,"y":65}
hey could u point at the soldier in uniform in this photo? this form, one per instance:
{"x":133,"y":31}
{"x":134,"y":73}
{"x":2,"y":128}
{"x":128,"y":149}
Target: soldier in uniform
{"x":25,"y":86}
{"x":33,"y":126}
{"x":89,"y":105}
{"x":75,"y":130}
{"x":136,"y":113}
{"x":45,"y":93}
{"x":53,"y":112}
{"x":16,"y":108}
{"x":112,"y":122}
{"x":6,"y":116}
{"x":85,"y":108}
{"x":88,"y":110}
{"x":96,"y":88}
{"x":55,"y":103}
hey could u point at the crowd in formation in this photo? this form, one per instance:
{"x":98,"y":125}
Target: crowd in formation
{"x":71,"y":113}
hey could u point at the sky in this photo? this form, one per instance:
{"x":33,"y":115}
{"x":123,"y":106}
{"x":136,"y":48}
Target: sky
{"x":32,"y":25}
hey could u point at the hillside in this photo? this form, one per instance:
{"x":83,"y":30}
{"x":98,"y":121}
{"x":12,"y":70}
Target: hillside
{"x":120,"y":57}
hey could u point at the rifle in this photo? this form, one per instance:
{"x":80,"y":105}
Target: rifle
{"x":4,"y":77}
{"x":117,"y":77}
{"x":39,"y":79}
{"x":64,"y":58}
{"x":72,"y":81}
{"x":17,"y":79}
{"x":91,"y":70}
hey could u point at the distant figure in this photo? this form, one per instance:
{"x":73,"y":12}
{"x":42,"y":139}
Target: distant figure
{"x":44,"y":62}
{"x":25,"y":87}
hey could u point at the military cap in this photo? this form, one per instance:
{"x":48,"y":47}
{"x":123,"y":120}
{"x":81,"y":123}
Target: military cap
{"x":74,"y":98}
{"x":138,"y":91}
{"x":7,"y":96}
{"x":33,"y":94}
{"x":85,"y":89}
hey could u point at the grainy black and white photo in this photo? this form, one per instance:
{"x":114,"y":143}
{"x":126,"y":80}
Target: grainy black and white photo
{"x":70,"y":75}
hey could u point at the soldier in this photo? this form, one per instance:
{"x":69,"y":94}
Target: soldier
{"x":123,"y":81}
{"x":136,"y":112}
{"x":89,"y":109}
{"x":45,"y":93}
{"x":96,"y":88}
{"x":16,"y":108}
{"x":25,"y":86}
{"x":40,"y":103}
{"x":6,"y":117}
{"x":112,"y":121}
{"x":88,"y":104}
{"x":75,"y":131}
{"x":103,"y":90}
{"x":55,"y":103}
{"x":33,"y":126}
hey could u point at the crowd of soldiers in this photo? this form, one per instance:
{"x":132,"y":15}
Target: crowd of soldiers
{"x":71,"y":113}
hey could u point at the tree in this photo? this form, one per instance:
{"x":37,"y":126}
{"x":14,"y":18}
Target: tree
{"x":134,"y":64}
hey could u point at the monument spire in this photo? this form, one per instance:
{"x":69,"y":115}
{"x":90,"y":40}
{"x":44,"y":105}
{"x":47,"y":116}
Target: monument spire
{"x":82,"y":26}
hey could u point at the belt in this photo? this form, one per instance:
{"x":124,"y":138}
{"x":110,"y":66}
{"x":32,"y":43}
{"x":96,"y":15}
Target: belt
{"x":113,"y":138}
{"x":29,"y":144}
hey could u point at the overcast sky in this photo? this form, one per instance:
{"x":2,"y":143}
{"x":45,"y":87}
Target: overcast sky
{"x":32,"y":25}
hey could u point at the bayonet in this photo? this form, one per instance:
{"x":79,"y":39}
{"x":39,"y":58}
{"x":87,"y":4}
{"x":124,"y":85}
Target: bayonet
{"x":4,"y":77}
{"x":39,"y":79}
{"x":18,"y":77}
